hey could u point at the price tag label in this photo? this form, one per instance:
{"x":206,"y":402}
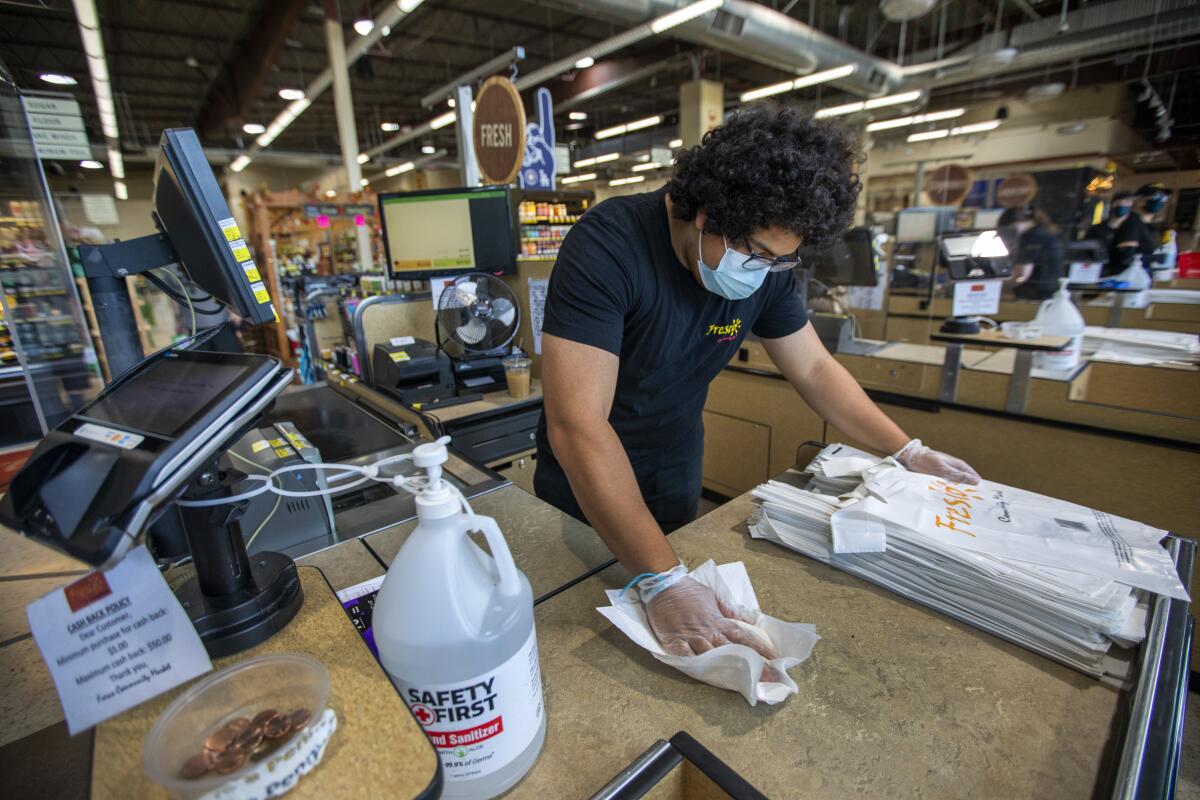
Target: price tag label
{"x":114,"y":639}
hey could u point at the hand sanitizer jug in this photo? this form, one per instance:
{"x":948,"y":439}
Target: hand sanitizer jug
{"x":1058,"y":316}
{"x":455,"y":632}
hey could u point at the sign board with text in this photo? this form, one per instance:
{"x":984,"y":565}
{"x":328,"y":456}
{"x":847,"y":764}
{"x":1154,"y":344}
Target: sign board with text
{"x":57,"y":127}
{"x":498,"y":133}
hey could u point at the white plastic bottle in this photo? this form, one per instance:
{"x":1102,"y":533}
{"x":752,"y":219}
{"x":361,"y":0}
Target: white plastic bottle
{"x":1058,"y":316}
{"x":455,"y":632}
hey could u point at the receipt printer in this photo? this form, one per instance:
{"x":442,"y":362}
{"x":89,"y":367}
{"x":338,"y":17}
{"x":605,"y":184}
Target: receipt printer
{"x":412,"y":373}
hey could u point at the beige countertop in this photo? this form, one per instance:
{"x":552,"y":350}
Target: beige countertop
{"x":896,"y":701}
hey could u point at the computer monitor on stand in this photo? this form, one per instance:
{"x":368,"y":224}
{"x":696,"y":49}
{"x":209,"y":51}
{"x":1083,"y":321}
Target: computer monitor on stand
{"x":976,"y":264}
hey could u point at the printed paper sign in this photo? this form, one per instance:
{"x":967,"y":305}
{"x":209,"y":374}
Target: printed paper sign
{"x":537,"y":309}
{"x":976,"y":297}
{"x":114,"y":639}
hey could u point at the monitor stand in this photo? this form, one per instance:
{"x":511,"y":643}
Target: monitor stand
{"x":234,"y":600}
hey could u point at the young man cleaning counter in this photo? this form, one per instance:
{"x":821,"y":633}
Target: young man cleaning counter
{"x":650,"y":297}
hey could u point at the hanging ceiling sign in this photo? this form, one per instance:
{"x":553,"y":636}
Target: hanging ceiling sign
{"x":539,"y":168}
{"x":57,"y":127}
{"x":948,"y":185}
{"x":1016,"y":190}
{"x":498,"y":133}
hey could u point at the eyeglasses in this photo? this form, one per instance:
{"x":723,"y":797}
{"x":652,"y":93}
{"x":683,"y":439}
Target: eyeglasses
{"x":756,"y":261}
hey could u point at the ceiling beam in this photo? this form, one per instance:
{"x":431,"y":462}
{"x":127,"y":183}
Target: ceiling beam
{"x":237,"y":85}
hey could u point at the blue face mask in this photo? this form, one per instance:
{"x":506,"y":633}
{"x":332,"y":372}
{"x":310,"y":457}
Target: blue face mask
{"x":729,"y":279}
{"x":1156,"y":204}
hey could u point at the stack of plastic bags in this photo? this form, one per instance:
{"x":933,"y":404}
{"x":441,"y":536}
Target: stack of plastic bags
{"x":1143,"y":347}
{"x":1057,"y":578}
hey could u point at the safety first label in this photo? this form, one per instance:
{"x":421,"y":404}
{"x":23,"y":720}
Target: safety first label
{"x":399,"y":356}
{"x":479,"y":726}
{"x":230,"y":228}
{"x":260,"y":292}
{"x":251,"y":271}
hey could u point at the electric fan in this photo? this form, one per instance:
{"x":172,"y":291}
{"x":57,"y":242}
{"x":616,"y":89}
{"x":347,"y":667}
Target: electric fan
{"x":477,"y":318}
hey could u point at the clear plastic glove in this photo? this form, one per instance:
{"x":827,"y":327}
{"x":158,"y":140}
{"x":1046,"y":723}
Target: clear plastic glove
{"x":916,"y":457}
{"x":689,"y":619}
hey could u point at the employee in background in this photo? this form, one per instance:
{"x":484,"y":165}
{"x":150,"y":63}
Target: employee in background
{"x":1038,"y":263}
{"x":1137,"y":235}
{"x":650,"y":297}
{"x":1106,"y":232}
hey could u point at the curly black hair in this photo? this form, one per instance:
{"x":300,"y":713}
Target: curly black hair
{"x":770,"y":165}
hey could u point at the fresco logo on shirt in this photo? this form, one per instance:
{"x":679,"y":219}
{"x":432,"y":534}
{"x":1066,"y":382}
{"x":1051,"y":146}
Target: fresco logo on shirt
{"x":725,"y":333}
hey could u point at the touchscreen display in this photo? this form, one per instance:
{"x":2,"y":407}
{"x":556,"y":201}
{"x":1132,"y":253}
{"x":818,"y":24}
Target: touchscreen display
{"x":167,"y":396}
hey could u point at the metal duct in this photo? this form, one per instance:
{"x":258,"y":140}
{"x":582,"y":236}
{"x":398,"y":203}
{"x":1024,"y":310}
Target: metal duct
{"x":760,"y":34}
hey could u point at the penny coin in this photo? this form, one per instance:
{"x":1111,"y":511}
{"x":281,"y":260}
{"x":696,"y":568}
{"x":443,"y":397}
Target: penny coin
{"x":300,"y":719}
{"x":228,"y":761}
{"x":263,"y":717}
{"x":278,"y":727}
{"x":196,"y":766}
{"x":238,"y":724}
{"x":248,"y":739}
{"x":220,"y":740}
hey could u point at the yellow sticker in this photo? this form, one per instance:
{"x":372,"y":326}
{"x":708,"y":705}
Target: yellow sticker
{"x":260,"y":293}
{"x":274,"y":312}
{"x":230,"y":229}
{"x":259,"y":446}
{"x":251,"y":271}
{"x":297,"y":441}
{"x":399,"y":356}
{"x":240,"y":251}
{"x":278,"y":443}
{"x":283,"y":452}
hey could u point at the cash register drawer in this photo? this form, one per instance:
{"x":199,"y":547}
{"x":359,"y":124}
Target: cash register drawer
{"x":484,"y":441}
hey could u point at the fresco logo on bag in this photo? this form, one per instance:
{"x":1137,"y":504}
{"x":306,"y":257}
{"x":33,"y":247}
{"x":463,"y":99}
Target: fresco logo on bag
{"x":958,"y":502}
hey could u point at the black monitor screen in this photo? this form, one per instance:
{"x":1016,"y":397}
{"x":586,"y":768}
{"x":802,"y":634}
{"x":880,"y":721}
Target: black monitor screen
{"x":167,"y":396}
{"x":850,"y":261}
{"x":195,"y":218}
{"x":447,"y":231}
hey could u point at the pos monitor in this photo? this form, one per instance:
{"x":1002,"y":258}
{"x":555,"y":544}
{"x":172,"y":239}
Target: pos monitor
{"x":850,"y":261}
{"x":448,"y":231}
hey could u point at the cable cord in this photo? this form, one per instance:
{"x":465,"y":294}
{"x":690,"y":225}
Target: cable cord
{"x":169,"y":292}
{"x":191,"y":308}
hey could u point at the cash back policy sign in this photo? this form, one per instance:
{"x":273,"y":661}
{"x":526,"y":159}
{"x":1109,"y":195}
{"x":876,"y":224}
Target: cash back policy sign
{"x":57,"y":126}
{"x":498,"y":132}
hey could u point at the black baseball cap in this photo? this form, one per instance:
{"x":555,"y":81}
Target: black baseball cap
{"x":1125,"y":195}
{"x":1151,"y":189}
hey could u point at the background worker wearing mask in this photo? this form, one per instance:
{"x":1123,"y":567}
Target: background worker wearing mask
{"x":1039,"y":255}
{"x":1137,"y":235}
{"x":649,"y":298}
{"x":1106,"y":232}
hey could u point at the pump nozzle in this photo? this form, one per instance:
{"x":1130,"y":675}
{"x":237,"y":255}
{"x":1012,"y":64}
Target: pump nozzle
{"x":430,"y":457}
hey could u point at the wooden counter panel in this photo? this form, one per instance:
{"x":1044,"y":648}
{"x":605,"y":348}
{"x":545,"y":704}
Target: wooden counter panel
{"x":769,"y":401}
{"x":889,"y":375}
{"x":1175,"y":392}
{"x":896,"y":701}
{"x":378,"y":749}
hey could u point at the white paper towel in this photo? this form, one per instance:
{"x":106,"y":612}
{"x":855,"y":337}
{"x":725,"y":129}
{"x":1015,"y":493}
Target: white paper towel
{"x":730,"y":666}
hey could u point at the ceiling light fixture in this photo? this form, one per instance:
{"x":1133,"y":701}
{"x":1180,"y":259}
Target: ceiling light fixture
{"x":389,"y":126}
{"x":89,"y":164}
{"x":626,"y":181}
{"x":254,"y":128}
{"x":916,"y":119}
{"x":58,"y":79}
{"x":587,"y":176}
{"x":364,"y":26}
{"x":824,"y":76}
{"x":442,"y":121}
{"x":450,"y":102}
{"x":428,"y":149}
{"x":629,"y":127}
{"x":647,"y":166}
{"x":925,"y":136}
{"x":604,"y":159}
{"x":331,"y":193}
{"x":291,"y":94}
{"x":364,"y":182}
{"x":577,"y":115}
{"x":363,"y":158}
{"x":675,"y":143}
{"x":685,"y":14}
{"x":407,"y":6}
{"x":585,"y":62}
{"x":575,"y":126}
{"x":866,"y":105}
{"x":121,"y":190}
{"x":978,"y":127}
{"x":407,"y":166}
{"x":240,"y":163}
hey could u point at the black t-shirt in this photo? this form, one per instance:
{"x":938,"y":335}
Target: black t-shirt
{"x":1044,"y":250}
{"x":1135,"y":229}
{"x":618,"y":285}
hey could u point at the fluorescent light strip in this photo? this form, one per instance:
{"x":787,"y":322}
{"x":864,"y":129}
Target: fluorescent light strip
{"x":837,"y":111}
{"x":813,"y":79}
{"x":407,"y":166}
{"x":625,"y":181}
{"x":116,"y":164}
{"x":363,"y":158}
{"x":685,"y":14}
{"x":442,"y":120}
{"x":121,"y":190}
{"x":93,"y":46}
{"x":240,"y":163}
{"x":892,"y":99}
{"x":925,"y":136}
{"x":604,"y":159}
{"x":587,"y":176}
{"x":978,"y":127}
{"x":917,"y":119}
{"x":648,"y":166}
{"x":636,"y":125}
{"x":675,"y":143}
